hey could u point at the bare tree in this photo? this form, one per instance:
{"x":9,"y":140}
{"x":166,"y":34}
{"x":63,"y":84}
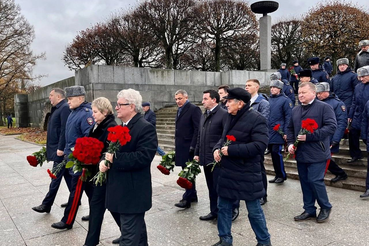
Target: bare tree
{"x":16,"y":58}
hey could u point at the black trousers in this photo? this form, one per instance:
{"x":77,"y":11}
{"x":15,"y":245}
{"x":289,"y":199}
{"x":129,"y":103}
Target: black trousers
{"x":277,"y":159}
{"x":354,"y":143}
{"x":335,"y":169}
{"x":97,"y":211}
{"x":133,"y":230}
{"x":55,"y":184}
{"x":211,"y":181}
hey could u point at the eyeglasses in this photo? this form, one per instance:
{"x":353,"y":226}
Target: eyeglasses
{"x":119,"y":105}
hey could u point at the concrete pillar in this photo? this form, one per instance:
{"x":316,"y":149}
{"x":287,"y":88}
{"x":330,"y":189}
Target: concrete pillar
{"x":21,"y":110}
{"x":265,"y":23}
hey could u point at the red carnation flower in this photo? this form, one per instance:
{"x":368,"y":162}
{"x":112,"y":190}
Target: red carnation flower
{"x":276,"y":127}
{"x":163,"y":170}
{"x":310,"y":125}
{"x":32,"y":160}
{"x":184,"y":183}
{"x":231,"y":138}
{"x":51,"y":174}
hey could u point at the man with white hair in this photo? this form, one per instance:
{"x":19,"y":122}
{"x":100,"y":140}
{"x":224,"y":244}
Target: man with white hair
{"x":129,"y":188}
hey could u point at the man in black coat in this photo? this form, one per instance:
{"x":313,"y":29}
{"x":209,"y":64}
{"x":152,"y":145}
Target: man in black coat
{"x":240,"y":176}
{"x":55,"y":145}
{"x":210,"y":131}
{"x":187,"y":128}
{"x":129,"y":188}
{"x":150,"y":116}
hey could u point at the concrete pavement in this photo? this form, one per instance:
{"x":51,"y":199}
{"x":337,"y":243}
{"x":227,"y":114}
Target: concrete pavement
{"x":22,"y":187}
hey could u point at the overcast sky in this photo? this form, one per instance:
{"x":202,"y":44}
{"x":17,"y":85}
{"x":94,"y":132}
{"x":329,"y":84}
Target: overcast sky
{"x":56,"y":23}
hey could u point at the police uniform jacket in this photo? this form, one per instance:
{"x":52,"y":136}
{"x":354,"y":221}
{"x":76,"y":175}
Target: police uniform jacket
{"x":240,"y":172}
{"x":56,"y":130}
{"x":101,"y":133}
{"x":128,"y":187}
{"x":262,"y":106}
{"x":327,"y":65}
{"x":316,"y":147}
{"x":284,"y":74}
{"x":341,"y":118}
{"x":78,"y":125}
{"x":187,"y":128}
{"x":210,"y":131}
{"x":361,"y":96}
{"x":150,"y":116}
{"x":288,"y":91}
{"x":297,"y":69}
{"x":320,"y":75}
{"x":343,"y":85}
{"x":280,"y":113}
{"x":365,"y":125}
{"x":361,"y":60}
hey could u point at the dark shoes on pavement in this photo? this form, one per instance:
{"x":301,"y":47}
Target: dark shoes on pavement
{"x":86,"y":218}
{"x":61,"y":225}
{"x":64,"y":205}
{"x":323,"y":215}
{"x":263,"y":201}
{"x":42,"y":209}
{"x":185,"y":204}
{"x":222,"y":243}
{"x":365,"y":195}
{"x":353,"y":159}
{"x":277,"y":180}
{"x":209,"y":216}
{"x":235,"y":213}
{"x":339,"y":177}
{"x":304,"y":216}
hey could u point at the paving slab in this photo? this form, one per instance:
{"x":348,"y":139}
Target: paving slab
{"x":22,"y":187}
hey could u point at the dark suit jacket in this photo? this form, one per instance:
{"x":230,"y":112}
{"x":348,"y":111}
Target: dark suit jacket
{"x":187,"y":127}
{"x":150,"y":116}
{"x":128,"y":188}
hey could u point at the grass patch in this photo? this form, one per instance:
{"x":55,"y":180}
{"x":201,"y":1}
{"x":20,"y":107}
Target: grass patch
{"x":30,"y":134}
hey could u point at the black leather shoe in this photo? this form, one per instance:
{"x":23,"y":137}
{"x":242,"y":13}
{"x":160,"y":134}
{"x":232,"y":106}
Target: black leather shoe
{"x":304,"y":216}
{"x":222,"y":243}
{"x":61,"y":225}
{"x":64,"y":205}
{"x":279,"y":181}
{"x":338,"y":178}
{"x":235,"y":213}
{"x":209,"y":216}
{"x":365,"y":195}
{"x":194,"y":199}
{"x":323,"y":215}
{"x":42,"y":209}
{"x":273,"y":180}
{"x":183,"y":204}
{"x":353,"y":159}
{"x":86,"y":218}
{"x":116,"y":241}
{"x":263,"y":200}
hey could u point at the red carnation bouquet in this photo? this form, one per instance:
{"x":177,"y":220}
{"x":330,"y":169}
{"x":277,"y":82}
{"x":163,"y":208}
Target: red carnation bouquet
{"x":307,"y":127}
{"x":278,"y":129}
{"x":167,"y":163}
{"x":293,"y":72}
{"x":188,"y":175}
{"x":86,"y":153}
{"x":118,"y":136}
{"x":38,"y":157}
{"x":230,"y":139}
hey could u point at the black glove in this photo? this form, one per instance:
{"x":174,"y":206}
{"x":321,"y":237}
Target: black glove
{"x":192,"y":151}
{"x":334,"y":144}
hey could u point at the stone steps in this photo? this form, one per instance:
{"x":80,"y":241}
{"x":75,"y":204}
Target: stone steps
{"x":356,"y":171}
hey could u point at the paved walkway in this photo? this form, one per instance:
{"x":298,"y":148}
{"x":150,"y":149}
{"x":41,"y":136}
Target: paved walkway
{"x":22,"y":187}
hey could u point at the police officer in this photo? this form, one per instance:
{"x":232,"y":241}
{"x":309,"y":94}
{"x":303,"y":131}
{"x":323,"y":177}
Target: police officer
{"x":78,"y":125}
{"x":280,"y":113}
{"x":287,"y":88}
{"x":316,"y":71}
{"x":344,"y":82}
{"x":327,"y":65}
{"x":361,"y":96}
{"x":284,"y":72}
{"x":362,"y":58}
{"x":294,"y":79}
{"x":324,"y":94}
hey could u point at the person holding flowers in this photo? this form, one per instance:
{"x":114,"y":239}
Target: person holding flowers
{"x":102,"y":112}
{"x":128,"y":187}
{"x":280,"y":115}
{"x":78,"y":125}
{"x":308,"y":138}
{"x":55,"y":146}
{"x":240,"y":169}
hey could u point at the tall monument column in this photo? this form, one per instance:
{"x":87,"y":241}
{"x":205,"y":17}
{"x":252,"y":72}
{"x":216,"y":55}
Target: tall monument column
{"x":265,"y":24}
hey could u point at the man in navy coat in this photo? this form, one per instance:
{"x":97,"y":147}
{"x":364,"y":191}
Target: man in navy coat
{"x":187,"y":128}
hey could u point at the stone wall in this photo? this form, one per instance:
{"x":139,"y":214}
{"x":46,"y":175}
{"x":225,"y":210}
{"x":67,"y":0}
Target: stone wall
{"x":156,"y":86}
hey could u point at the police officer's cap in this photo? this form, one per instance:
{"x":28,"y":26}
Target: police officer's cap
{"x":305,"y":73}
{"x":275,"y":76}
{"x":294,"y":62}
{"x":342,"y":61}
{"x":326,"y":58}
{"x":363,"y":43}
{"x":283,"y":64}
{"x":313,"y":60}
{"x":239,"y":94}
{"x":75,"y":91}
{"x":363,"y":71}
{"x":144,"y":104}
{"x":322,"y":86}
{"x":276,"y":83}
